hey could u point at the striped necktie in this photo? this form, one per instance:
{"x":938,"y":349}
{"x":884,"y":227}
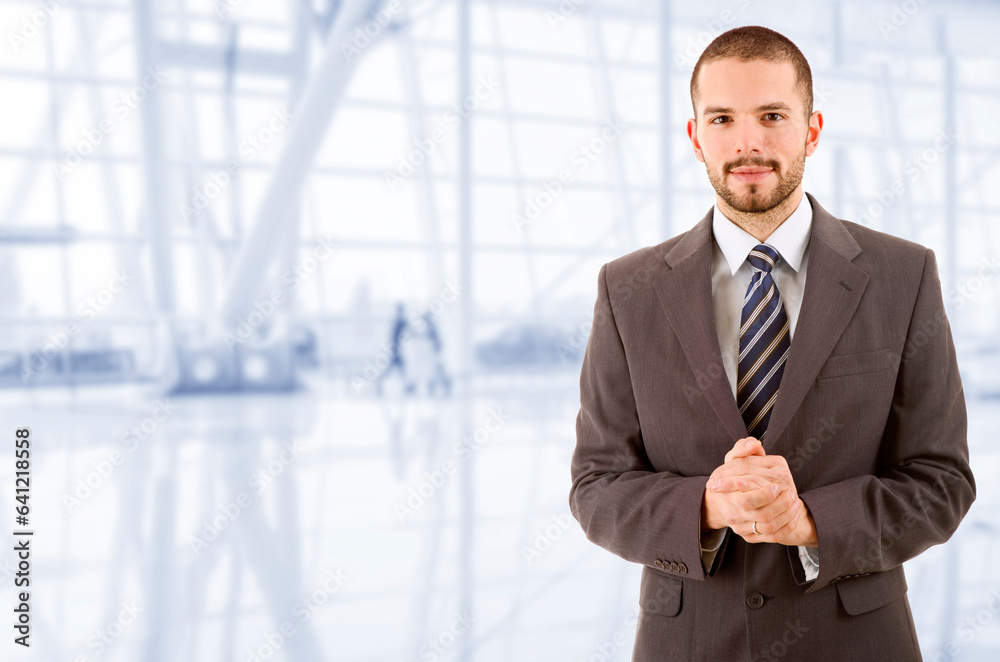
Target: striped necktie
{"x":764,"y":342}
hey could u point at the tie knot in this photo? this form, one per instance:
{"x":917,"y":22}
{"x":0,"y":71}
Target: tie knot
{"x":763,"y":258}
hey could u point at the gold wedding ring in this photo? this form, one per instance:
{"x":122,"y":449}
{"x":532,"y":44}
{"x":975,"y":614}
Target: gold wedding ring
{"x":755,"y":528}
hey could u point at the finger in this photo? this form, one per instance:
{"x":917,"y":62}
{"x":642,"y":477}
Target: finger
{"x":763,"y":506}
{"x":776,"y":514}
{"x":756,"y":502}
{"x":768,"y":461}
{"x":740,"y":468}
{"x":741,"y":508}
{"x":742,"y":483}
{"x":773,"y":531}
{"x":781,"y":533}
{"x":768,"y":466}
{"x":746,"y":447}
{"x":740,"y":449}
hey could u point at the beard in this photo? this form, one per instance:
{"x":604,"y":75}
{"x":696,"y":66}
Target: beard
{"x":755,"y":201}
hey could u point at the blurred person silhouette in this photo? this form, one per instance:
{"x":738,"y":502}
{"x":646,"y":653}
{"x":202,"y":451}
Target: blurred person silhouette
{"x":423,"y":359}
{"x":439,"y":378}
{"x":399,"y":336}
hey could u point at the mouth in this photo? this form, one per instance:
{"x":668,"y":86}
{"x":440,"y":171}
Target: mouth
{"x":751,"y":174}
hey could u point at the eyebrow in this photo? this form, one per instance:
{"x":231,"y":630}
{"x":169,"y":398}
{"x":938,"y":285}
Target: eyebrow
{"x":777,"y":105}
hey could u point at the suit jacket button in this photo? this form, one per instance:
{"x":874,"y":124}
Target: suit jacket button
{"x":674,"y":567}
{"x":755,"y":601}
{"x":683,"y":568}
{"x":659,"y":564}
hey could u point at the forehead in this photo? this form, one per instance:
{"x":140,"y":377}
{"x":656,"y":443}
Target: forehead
{"x":734,"y":83}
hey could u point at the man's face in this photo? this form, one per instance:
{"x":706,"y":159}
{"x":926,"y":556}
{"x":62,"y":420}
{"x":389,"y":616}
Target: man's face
{"x":751,"y":131}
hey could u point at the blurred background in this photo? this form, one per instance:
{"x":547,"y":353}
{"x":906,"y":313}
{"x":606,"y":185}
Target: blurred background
{"x":295,"y":293}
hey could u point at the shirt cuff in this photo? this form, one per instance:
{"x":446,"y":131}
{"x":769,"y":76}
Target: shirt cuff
{"x":809,"y":557}
{"x":710,"y":544}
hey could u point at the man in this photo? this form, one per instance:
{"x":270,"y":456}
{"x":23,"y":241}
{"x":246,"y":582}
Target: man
{"x":771,"y":522}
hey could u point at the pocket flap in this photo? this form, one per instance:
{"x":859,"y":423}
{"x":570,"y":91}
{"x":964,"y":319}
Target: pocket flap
{"x":864,"y":594}
{"x":659,"y":593}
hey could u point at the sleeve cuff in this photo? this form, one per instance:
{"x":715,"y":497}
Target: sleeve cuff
{"x":711,"y":542}
{"x":809,"y":557}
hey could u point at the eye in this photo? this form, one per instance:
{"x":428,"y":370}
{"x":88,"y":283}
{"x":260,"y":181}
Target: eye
{"x":773,"y":117}
{"x":721,"y":119}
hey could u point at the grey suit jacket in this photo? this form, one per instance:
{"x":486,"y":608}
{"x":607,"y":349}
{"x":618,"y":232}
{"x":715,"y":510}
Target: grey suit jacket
{"x":870,"y":416}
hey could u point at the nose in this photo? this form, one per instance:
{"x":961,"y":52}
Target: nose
{"x":749,"y":138}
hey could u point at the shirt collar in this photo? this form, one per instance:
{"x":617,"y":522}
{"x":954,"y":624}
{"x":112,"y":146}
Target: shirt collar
{"x":789,"y":239}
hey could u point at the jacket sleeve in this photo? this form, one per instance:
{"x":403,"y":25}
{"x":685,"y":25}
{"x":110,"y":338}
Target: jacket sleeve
{"x":623,"y":505}
{"x":924,"y":485}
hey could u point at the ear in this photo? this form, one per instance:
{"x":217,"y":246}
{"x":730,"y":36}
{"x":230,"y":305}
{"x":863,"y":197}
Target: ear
{"x":692,"y":129}
{"x":812,"y":136}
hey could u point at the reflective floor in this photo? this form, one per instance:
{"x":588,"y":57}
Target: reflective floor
{"x":320,"y":525}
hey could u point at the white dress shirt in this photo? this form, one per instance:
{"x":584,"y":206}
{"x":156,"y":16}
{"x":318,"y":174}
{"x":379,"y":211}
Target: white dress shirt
{"x":731,"y":275}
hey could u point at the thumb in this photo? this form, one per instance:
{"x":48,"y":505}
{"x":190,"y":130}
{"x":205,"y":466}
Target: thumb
{"x":745,"y":448}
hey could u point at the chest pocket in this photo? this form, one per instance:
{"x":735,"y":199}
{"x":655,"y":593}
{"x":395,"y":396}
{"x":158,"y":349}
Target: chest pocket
{"x":842,"y":365}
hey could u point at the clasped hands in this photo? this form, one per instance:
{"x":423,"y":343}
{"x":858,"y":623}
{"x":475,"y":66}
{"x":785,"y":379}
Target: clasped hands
{"x":753,"y":489}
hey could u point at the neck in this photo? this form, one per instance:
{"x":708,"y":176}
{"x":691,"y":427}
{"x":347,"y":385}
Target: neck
{"x":762,"y":224}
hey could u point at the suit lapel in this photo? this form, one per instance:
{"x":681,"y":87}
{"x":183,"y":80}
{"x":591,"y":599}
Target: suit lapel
{"x":833,"y":290}
{"x":685,"y":294}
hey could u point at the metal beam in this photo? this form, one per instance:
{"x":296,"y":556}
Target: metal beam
{"x":319,"y":102}
{"x":154,"y":171}
{"x":666,"y":122}
{"x":187,"y":55}
{"x":466,"y":305}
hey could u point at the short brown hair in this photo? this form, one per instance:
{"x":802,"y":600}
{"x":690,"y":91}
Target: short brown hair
{"x":753,"y":42}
